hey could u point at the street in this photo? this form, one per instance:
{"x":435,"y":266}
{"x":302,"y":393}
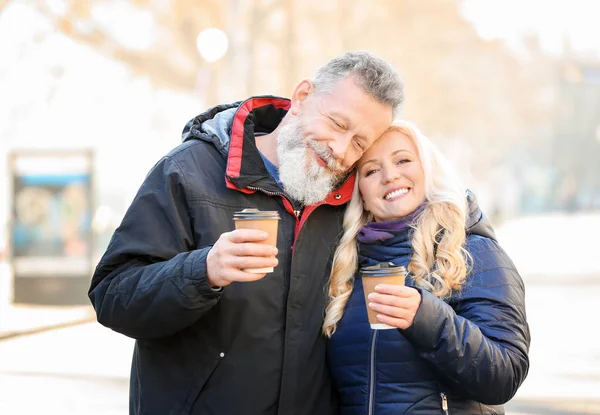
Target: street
{"x":77,"y":370}
{"x":564,"y":374}
{"x":85,"y":369}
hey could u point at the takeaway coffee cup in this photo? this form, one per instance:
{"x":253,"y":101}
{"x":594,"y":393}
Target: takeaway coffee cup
{"x":256,"y":219}
{"x":383,"y":273}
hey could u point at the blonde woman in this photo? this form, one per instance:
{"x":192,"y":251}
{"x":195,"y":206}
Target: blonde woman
{"x":461,"y":339}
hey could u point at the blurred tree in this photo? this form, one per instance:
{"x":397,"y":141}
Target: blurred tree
{"x":169,"y":57}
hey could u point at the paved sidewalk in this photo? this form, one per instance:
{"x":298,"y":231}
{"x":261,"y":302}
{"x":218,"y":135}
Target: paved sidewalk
{"x":22,"y":319}
{"x":553,"y":406}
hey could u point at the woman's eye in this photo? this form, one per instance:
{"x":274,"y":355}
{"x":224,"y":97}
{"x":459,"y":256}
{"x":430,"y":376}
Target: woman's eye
{"x":369,"y":172}
{"x":402,"y":161}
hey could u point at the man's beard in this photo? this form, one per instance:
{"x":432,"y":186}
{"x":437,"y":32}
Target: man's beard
{"x":302,"y":177}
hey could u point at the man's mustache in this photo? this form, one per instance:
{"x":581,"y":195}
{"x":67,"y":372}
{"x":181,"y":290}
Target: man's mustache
{"x":325,"y":154}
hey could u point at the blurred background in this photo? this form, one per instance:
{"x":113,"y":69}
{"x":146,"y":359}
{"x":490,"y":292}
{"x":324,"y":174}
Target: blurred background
{"x":94,"y":92}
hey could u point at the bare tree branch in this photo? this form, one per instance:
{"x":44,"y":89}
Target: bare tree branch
{"x":173,"y":62}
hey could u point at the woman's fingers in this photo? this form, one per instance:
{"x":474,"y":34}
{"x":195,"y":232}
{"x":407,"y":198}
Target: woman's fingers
{"x":397,"y":305}
{"x":394,"y":322}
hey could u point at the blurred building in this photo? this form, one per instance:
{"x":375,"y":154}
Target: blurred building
{"x":576,"y":141}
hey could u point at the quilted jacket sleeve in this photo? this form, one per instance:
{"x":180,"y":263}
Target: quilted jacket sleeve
{"x":151,"y":281}
{"x":479,"y":342}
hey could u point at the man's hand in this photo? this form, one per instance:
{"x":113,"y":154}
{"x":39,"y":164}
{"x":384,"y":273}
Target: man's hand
{"x":238,"y":250}
{"x":396,"y":305}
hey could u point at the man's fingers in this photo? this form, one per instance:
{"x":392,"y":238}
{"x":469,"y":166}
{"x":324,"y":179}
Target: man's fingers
{"x":237,"y":275}
{"x":237,"y":251}
{"x":252,"y":249}
{"x":246,"y":235}
{"x":245,"y":262}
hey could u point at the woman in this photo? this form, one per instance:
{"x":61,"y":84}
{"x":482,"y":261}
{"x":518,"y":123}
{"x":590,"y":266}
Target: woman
{"x":461,"y":340}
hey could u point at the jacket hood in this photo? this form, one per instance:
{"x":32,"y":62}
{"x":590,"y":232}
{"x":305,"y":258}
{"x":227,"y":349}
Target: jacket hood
{"x":231,"y":129}
{"x":213,"y":125}
{"x":477,"y":223}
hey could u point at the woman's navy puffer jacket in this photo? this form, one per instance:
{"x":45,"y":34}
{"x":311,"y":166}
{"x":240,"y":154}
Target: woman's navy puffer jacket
{"x":468,"y":355}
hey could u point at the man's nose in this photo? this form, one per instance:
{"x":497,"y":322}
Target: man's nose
{"x":339,"y":146}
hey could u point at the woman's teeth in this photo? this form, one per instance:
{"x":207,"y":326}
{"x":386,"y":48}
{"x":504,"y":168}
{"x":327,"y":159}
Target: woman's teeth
{"x":396,"y":193}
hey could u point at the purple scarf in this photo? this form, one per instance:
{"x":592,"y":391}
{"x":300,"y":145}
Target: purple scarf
{"x":378,"y":232}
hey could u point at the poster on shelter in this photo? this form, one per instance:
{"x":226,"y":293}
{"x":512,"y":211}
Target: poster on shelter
{"x":52,"y":208}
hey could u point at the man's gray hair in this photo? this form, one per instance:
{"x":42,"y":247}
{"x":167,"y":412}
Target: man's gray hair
{"x":375,"y":75}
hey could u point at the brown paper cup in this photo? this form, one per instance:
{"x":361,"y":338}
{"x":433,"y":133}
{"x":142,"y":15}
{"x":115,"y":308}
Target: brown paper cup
{"x":267,"y":221}
{"x":384,"y":273}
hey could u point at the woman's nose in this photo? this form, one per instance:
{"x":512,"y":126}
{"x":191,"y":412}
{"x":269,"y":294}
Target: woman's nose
{"x":389,"y":175}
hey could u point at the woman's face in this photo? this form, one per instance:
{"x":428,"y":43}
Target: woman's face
{"x":391,"y":178}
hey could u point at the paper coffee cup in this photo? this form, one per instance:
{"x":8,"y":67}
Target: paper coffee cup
{"x":383,"y":273}
{"x":256,"y":219}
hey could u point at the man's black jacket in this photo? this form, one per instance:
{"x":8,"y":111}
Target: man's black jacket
{"x":253,"y":348}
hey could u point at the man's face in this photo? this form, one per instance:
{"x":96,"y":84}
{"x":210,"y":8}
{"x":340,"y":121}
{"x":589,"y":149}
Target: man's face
{"x":325,"y":138}
{"x":305,"y":178}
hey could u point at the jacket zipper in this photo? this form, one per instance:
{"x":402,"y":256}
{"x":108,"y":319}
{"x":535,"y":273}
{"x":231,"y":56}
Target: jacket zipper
{"x":444,"y":403}
{"x":372,"y":374}
{"x":265,"y":191}
{"x":296,"y":212}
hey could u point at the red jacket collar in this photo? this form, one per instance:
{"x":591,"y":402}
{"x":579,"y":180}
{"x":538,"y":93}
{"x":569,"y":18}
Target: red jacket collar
{"x":238,"y":130}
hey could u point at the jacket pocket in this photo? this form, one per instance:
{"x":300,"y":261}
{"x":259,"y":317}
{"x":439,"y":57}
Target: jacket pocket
{"x":204,"y":373}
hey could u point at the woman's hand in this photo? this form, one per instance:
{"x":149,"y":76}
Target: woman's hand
{"x":396,"y":305}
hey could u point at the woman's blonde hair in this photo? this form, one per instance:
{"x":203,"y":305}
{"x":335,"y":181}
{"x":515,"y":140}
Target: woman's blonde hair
{"x":439,"y":261}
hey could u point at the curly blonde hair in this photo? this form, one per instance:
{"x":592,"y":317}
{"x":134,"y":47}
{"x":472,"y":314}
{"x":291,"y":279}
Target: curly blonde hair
{"x":439,"y":263}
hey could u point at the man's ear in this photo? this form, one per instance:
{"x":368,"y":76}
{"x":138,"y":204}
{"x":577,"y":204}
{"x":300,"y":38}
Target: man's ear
{"x":301,"y":92}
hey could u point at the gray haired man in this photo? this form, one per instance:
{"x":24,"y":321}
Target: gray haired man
{"x":212,"y":338}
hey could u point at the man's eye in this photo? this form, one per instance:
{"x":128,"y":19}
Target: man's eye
{"x":359,"y":144}
{"x":337,"y":124}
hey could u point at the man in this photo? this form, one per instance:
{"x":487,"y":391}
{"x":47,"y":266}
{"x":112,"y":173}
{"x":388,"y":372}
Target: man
{"x":211,"y":338}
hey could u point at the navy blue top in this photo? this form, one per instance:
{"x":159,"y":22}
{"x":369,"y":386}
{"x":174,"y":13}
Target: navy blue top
{"x":274,"y":172}
{"x":272,"y":169}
